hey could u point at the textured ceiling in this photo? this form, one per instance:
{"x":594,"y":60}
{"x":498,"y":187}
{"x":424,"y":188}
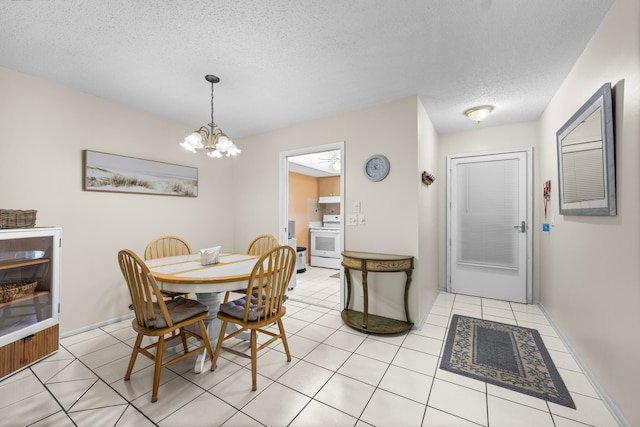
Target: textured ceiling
{"x":283,"y":62}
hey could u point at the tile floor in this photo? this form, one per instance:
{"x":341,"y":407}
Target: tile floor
{"x":337,"y":377}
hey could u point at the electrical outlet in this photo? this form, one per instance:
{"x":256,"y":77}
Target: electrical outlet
{"x":352,"y":219}
{"x":361,"y":219}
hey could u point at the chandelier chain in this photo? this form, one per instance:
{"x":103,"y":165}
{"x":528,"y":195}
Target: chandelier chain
{"x":212,"y":122}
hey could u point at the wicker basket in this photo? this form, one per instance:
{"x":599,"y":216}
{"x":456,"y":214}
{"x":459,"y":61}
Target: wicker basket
{"x":10,"y":218}
{"x":11,"y":291}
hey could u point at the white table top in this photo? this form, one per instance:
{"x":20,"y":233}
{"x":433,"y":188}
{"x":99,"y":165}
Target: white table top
{"x":185,"y":273}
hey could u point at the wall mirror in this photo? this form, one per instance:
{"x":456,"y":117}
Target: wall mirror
{"x":586,"y":162}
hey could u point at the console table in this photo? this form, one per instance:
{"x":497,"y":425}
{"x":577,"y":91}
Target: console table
{"x":379,"y":263}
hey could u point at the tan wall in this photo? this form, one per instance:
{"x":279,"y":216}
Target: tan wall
{"x":589,"y":266}
{"x":303,"y":196}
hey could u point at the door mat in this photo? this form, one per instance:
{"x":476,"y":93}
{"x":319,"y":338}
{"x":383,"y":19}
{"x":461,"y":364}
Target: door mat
{"x":504,"y":355}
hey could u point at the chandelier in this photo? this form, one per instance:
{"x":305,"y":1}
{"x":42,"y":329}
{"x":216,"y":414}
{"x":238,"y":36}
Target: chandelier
{"x":211,"y":138}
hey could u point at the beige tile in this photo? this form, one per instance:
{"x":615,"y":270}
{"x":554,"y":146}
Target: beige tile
{"x":106,"y":416}
{"x":406,"y":383}
{"x":379,"y":350}
{"x":505,"y":413}
{"x":327,"y":357}
{"x":588,"y":410}
{"x":172,"y":395}
{"x":242,"y":420}
{"x":68,"y":392}
{"x":388,"y":409}
{"x":447,"y":397}
{"x":363,"y":369}
{"x":19,"y":387}
{"x":424,"y":344}
{"x":133,"y":417}
{"x":317,"y":414}
{"x":345,"y":340}
{"x":305,"y":378}
{"x":236,"y":389}
{"x":436,"y":418}
{"x":416,"y":361}
{"x":346,"y":394}
{"x":277,"y":405}
{"x":59,"y":419}
{"x":27,"y":411}
{"x":315,"y":332}
{"x":203,"y":411}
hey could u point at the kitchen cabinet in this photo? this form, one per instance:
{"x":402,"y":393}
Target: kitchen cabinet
{"x":29,"y":261}
{"x":329,"y":186}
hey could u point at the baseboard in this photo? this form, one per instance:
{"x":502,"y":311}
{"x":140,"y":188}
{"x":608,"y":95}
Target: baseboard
{"x":585,"y":370}
{"x":95,"y":325}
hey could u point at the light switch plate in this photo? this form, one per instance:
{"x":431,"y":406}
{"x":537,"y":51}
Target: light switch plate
{"x":352,"y":219}
{"x":356,"y":207}
{"x":361,"y":219}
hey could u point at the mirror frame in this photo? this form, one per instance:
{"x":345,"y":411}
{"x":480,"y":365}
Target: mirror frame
{"x":607,"y":205}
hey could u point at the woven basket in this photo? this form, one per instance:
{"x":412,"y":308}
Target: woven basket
{"x":10,"y":218}
{"x":11,"y":291}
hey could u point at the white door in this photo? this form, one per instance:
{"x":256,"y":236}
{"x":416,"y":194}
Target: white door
{"x":488,"y":225}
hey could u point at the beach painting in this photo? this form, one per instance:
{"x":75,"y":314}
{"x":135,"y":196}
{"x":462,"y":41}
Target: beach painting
{"x":122,"y":174}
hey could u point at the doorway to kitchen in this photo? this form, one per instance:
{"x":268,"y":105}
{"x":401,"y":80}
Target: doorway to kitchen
{"x":311,"y":212}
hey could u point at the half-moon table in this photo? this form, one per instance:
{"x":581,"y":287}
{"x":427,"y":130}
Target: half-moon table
{"x":185,"y":273}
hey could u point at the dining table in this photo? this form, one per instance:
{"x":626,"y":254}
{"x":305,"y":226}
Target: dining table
{"x":185,"y":273}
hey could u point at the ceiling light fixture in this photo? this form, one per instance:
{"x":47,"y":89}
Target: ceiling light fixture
{"x":336,"y":164}
{"x":478,"y":113}
{"x":212,"y":138}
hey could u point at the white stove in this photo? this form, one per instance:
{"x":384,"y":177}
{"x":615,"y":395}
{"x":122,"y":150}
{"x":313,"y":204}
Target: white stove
{"x":325,"y":242}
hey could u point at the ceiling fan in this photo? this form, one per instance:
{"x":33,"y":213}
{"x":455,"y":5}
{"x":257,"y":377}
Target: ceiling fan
{"x":334,"y":160}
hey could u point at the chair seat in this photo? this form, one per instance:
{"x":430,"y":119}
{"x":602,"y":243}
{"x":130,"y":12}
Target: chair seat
{"x":236,"y":308}
{"x":179,"y":309}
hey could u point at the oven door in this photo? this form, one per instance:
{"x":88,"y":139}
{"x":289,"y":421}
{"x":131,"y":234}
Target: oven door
{"x":325,"y":243}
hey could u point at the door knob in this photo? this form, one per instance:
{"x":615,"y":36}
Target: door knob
{"x":522,"y":227}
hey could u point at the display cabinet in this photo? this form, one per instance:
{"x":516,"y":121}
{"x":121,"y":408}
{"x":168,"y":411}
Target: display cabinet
{"x":29,"y":296}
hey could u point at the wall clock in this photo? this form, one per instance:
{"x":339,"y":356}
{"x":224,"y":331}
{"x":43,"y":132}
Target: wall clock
{"x":376,"y":167}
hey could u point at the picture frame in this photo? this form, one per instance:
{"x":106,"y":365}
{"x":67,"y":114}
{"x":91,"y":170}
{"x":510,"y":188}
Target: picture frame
{"x":586,"y":158}
{"x":122,"y":174}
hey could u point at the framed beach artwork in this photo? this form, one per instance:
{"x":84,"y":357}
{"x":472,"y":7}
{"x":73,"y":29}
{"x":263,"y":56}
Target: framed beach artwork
{"x":122,"y":174}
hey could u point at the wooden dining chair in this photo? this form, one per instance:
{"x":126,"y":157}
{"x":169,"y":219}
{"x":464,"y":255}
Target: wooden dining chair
{"x":261,"y":307}
{"x":262,"y":244}
{"x":165,"y":246}
{"x":155,"y":317}
{"x":258,"y":246}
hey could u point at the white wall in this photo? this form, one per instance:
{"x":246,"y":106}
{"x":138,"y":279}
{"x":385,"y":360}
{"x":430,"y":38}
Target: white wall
{"x":391,"y":206}
{"x":589,"y":266}
{"x":44,"y":129}
{"x":428,"y":212}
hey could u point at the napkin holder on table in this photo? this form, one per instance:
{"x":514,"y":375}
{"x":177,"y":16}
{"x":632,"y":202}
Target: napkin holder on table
{"x":210,"y":255}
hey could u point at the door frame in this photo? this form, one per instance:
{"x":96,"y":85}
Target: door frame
{"x":529,"y":211}
{"x":284,"y":194}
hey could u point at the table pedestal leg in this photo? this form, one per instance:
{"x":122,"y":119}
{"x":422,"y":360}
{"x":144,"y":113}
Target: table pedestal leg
{"x":212,"y":301}
{"x":213,"y":324}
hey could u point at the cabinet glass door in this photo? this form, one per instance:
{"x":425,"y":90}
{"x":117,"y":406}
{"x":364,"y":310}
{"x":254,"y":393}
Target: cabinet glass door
{"x":26,"y":295}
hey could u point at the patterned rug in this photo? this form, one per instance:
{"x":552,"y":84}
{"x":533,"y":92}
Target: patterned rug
{"x":504,"y":355}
